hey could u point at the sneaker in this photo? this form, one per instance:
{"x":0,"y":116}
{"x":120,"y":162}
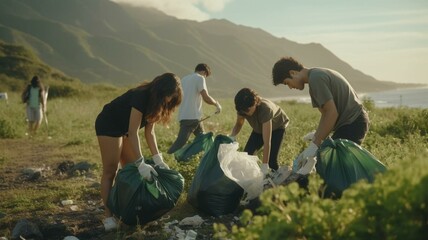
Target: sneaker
{"x":110,"y":224}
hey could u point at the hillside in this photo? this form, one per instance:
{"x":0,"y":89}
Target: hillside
{"x":101,"y":41}
{"x":19,"y":64}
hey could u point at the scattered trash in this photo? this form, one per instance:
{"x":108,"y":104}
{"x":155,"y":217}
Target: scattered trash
{"x":74,"y":208}
{"x":191,"y":235}
{"x":26,"y":229}
{"x":194,"y":221}
{"x":70,"y":238}
{"x":66,"y":202}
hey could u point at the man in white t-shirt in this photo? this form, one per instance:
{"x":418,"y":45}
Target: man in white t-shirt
{"x":190,"y":112}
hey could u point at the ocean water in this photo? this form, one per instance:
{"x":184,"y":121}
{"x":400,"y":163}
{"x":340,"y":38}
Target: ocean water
{"x":408,"y":97}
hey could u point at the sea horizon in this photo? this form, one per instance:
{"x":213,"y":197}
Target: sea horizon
{"x":402,"y":97}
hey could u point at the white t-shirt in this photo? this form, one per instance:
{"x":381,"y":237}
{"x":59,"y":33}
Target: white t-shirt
{"x":191,"y":104}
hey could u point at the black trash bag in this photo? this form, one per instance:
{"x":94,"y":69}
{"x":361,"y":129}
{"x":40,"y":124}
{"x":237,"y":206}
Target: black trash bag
{"x":136,"y":201}
{"x":211,"y":191}
{"x":202,"y":142}
{"x":342,"y":162}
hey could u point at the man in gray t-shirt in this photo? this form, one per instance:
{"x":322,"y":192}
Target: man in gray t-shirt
{"x":341,"y":110}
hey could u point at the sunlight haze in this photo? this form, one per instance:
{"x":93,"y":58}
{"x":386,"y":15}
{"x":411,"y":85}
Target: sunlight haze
{"x":387,"y":39}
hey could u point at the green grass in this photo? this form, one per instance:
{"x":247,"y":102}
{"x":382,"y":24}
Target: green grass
{"x":395,"y":136}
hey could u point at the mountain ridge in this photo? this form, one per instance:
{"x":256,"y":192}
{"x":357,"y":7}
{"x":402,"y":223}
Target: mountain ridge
{"x":102,"y":41}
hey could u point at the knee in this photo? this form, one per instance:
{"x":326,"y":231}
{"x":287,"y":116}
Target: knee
{"x":109,"y":172}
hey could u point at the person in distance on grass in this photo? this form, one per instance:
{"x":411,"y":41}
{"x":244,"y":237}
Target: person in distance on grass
{"x":189,"y":115}
{"x":341,"y":110}
{"x":268,"y":121}
{"x":33,"y":97}
{"x":117,"y":129}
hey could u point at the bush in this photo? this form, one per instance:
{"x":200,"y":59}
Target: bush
{"x":7,"y":130}
{"x":368,"y":104}
{"x":406,"y":124}
{"x":393,"y":207}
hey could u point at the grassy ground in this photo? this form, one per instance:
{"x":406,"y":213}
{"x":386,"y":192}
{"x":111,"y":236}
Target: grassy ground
{"x":70,"y":136}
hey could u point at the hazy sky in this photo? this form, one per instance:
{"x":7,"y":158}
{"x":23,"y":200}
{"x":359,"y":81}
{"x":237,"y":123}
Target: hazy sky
{"x":387,"y":39}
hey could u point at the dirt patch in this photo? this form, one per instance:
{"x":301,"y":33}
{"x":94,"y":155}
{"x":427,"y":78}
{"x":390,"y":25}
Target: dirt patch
{"x":81,"y":219}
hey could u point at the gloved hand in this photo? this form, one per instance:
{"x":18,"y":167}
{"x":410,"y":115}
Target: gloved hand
{"x":302,"y":158}
{"x":309,"y":136}
{"x":265,"y":168}
{"x":297,"y":163}
{"x":308,"y":165}
{"x":158,"y":159}
{"x":218,"y":106}
{"x":146,"y":171}
{"x":310,"y":151}
{"x":232,"y":137}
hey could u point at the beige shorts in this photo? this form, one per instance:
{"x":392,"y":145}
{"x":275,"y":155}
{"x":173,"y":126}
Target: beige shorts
{"x":34,"y":114}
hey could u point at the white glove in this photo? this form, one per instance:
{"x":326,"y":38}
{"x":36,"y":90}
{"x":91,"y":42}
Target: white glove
{"x":158,"y":159}
{"x":308,"y":165}
{"x":310,"y":151}
{"x":309,"y":136}
{"x":307,"y":155}
{"x":297,"y":163}
{"x":146,"y":171}
{"x":232,"y":137}
{"x":218,"y":106}
{"x":265,"y":168}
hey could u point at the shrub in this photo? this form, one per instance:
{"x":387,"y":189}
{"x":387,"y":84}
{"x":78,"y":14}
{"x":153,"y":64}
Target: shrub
{"x":393,"y":207}
{"x":405,"y":124}
{"x":6,"y":129}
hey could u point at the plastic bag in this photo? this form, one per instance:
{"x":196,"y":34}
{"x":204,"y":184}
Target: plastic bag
{"x":211,"y":190}
{"x":202,"y":142}
{"x":342,"y":162}
{"x":136,"y":201}
{"x":241,"y":168}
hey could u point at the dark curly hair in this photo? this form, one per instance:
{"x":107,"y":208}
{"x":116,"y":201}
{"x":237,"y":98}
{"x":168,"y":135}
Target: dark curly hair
{"x":245,"y":99}
{"x":281,"y":69}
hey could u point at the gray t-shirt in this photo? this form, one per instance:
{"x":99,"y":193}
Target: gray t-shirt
{"x":326,"y":84}
{"x":264,"y":112}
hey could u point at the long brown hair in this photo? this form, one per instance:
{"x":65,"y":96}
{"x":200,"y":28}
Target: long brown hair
{"x":162,"y":87}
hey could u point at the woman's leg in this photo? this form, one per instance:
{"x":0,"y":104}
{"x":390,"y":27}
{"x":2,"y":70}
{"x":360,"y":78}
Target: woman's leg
{"x":127,"y":155}
{"x":38,"y":119}
{"x":111,"y":148}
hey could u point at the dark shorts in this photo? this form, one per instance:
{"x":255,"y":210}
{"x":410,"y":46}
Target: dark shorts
{"x":356,"y":131}
{"x":103,"y":127}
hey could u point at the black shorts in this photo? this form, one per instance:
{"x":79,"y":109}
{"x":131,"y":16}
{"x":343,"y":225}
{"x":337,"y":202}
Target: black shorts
{"x":103,"y":127}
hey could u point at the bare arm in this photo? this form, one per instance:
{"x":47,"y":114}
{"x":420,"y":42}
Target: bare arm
{"x":134,"y":126}
{"x":207,"y":98}
{"x":267,"y":136}
{"x":149,"y":133}
{"x":238,"y":125}
{"x":328,"y":119}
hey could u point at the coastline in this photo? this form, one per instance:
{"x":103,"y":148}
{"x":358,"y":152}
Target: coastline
{"x":401,"y":97}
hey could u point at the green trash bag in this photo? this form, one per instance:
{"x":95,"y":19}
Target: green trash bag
{"x":211,"y":190}
{"x":342,"y":162}
{"x":202,"y":142}
{"x":136,"y":201}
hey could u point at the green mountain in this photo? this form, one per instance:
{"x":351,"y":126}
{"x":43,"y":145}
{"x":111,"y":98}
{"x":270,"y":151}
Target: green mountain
{"x":18,"y":63}
{"x":101,"y":41}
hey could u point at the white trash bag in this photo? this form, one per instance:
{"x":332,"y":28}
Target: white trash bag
{"x":241,"y":168}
